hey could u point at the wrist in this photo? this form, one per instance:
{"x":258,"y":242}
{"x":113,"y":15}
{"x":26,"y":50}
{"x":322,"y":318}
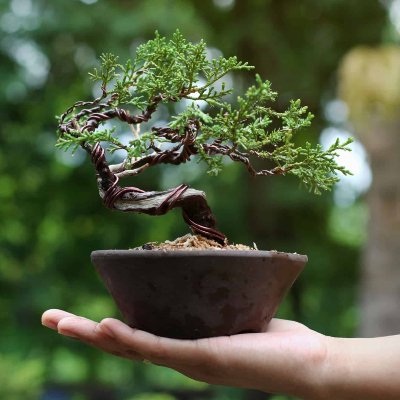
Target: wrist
{"x":333,"y":370}
{"x":323,"y":370}
{"x":314,"y":372}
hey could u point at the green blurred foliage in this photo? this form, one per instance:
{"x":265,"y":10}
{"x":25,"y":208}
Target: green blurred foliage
{"x":50,"y":213}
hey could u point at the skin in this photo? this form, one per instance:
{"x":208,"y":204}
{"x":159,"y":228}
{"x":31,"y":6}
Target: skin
{"x":287,"y":358}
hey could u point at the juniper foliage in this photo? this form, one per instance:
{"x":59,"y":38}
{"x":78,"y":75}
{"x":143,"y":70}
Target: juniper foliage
{"x":170,"y":71}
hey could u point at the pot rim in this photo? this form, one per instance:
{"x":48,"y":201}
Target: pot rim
{"x":198,"y":253}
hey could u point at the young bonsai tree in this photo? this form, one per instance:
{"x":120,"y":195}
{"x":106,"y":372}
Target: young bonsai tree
{"x":166,"y":71}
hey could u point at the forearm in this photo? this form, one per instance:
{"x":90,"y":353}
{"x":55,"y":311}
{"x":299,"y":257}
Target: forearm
{"x":367,"y":369}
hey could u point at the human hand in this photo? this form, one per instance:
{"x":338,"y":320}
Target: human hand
{"x":285,"y":358}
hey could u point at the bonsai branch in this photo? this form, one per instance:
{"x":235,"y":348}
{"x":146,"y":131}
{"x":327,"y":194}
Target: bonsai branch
{"x":182,"y":152}
{"x":195,"y":209}
{"x":98,"y":113}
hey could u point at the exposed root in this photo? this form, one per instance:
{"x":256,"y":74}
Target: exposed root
{"x":192,"y":242}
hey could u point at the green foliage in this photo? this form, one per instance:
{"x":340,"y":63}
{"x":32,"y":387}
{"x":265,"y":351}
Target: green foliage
{"x":107,"y":72}
{"x":175,"y":70}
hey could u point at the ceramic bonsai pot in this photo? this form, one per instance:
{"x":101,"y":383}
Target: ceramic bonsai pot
{"x":197,"y":293}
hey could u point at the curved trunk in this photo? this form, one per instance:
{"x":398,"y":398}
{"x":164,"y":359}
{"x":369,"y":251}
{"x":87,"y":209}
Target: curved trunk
{"x":195,"y":210}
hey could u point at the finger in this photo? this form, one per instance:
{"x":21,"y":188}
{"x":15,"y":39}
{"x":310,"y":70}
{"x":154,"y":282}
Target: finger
{"x":160,"y":350}
{"x":212,"y":360}
{"x":89,"y":332}
{"x":77,"y":327}
{"x":51,"y":318}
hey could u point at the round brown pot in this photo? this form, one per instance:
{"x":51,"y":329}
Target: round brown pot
{"x":198,"y":293}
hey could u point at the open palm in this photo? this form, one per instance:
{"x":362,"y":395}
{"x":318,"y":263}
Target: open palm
{"x":253,"y":360}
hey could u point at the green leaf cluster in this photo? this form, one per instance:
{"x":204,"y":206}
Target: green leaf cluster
{"x":176,"y":70}
{"x":173,"y":67}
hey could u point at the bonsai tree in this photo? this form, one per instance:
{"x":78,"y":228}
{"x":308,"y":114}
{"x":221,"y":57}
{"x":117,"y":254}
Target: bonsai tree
{"x":171,"y":71}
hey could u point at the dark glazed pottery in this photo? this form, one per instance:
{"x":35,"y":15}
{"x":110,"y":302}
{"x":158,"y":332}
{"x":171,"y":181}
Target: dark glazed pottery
{"x":198,"y":293}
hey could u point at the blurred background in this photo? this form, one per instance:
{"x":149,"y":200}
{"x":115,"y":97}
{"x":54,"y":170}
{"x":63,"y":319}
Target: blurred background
{"x":339,"y":56}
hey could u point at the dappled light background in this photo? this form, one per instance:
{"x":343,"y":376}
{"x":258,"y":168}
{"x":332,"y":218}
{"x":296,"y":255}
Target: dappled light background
{"x":51,"y":217}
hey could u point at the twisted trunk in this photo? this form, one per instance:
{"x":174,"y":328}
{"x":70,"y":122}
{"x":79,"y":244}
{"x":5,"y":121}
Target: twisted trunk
{"x":195,"y":210}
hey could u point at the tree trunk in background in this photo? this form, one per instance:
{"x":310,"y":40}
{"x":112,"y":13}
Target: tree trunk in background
{"x":369,"y":83}
{"x":380,"y":280}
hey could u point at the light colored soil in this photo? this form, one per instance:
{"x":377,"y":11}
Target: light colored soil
{"x":194,"y":242}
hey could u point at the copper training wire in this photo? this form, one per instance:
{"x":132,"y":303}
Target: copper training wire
{"x":114,"y":192}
